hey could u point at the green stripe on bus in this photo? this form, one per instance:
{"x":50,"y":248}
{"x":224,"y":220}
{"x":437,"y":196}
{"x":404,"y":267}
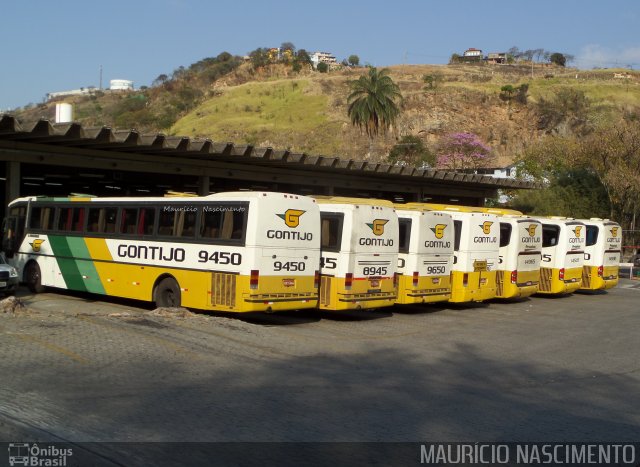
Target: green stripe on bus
{"x":76,"y":265}
{"x":86,"y":267}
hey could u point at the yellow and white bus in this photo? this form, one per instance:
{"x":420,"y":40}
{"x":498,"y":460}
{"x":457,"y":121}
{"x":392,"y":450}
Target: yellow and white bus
{"x":563,"y":242}
{"x":359,"y":253}
{"x":425,"y":255}
{"x":602,"y":254}
{"x":476,"y":243}
{"x":236,"y":252}
{"x":520,"y":254}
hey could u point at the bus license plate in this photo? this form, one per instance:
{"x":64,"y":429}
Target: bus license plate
{"x":288,"y":282}
{"x":479,"y":266}
{"x":3,"y":284}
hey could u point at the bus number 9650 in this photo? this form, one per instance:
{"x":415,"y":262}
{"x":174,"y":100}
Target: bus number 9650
{"x":220,"y":257}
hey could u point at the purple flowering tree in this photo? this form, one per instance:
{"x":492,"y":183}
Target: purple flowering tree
{"x":461,"y":151}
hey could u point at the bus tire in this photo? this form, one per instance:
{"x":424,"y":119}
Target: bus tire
{"x":33,"y":278}
{"x":167,"y":293}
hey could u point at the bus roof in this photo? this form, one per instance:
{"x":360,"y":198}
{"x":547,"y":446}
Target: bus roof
{"x":346,"y":200}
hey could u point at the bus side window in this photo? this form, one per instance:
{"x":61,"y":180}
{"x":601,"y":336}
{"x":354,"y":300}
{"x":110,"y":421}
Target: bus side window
{"x":457,"y":233}
{"x":404,"y":225}
{"x":128,"y":219}
{"x":166,"y":222}
{"x":146,"y":220}
{"x":101,"y":220}
{"x":210,"y":224}
{"x":331,"y":231}
{"x":592,"y":235}
{"x":41,"y":218}
{"x":78,"y":219}
{"x":65,"y":219}
{"x":185,"y":224}
{"x":505,"y":234}
{"x":550,"y":234}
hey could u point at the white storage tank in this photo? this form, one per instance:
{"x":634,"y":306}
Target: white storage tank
{"x":64,"y":113}
{"x":121,"y":85}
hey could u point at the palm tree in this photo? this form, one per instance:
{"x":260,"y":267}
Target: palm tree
{"x":373,"y":102}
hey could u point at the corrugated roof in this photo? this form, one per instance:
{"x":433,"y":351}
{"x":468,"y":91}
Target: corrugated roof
{"x":74,"y":135}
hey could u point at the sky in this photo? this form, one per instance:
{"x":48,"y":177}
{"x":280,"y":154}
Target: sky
{"x":56,"y":46}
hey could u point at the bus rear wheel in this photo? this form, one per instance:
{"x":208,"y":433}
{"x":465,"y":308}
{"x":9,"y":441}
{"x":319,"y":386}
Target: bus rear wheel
{"x":33,"y":278}
{"x":167,"y":293}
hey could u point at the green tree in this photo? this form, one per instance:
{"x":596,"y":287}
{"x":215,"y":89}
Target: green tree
{"x":374,"y":102}
{"x":558,"y":59}
{"x":567,"y":111}
{"x":354,"y":60}
{"x":322,"y":67}
{"x":432,"y":81}
{"x":410,"y":150}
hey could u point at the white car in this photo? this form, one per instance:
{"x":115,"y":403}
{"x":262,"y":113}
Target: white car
{"x":8,"y":277}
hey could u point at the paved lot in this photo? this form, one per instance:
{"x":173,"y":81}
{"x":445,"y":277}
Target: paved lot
{"x":78,"y":368}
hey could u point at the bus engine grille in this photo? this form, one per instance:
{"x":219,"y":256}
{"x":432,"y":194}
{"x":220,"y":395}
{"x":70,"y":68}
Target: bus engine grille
{"x":545,"y":279}
{"x":223,"y":289}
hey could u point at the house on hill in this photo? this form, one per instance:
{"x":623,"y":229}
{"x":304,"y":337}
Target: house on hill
{"x":472,"y":54}
{"x":497,"y":58}
{"x":323,"y":57}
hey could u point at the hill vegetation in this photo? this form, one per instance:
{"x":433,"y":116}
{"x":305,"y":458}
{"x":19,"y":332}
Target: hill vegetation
{"x":544,"y":117}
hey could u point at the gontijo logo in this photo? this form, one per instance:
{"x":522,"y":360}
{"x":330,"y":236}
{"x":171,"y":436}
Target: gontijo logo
{"x":577,"y":230}
{"x":35,"y":245}
{"x":438,"y":230}
{"x":532,"y":230}
{"x":486,"y":227}
{"x":291,"y":217}
{"x":614,"y":231}
{"x":377,"y":227}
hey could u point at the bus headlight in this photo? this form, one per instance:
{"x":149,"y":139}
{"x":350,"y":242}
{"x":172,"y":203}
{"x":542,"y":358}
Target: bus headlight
{"x":13,"y":272}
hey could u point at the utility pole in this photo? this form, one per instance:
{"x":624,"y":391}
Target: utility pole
{"x":100,"y":88}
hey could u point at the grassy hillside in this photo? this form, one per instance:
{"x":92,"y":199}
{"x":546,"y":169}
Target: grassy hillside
{"x":307,"y":111}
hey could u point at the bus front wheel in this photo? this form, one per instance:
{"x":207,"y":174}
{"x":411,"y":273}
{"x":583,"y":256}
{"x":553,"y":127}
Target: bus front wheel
{"x":33,"y":278}
{"x":167,"y":293}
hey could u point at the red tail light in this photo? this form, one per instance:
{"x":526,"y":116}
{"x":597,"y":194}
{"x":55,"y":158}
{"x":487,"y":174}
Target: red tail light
{"x":465,"y":279}
{"x":316,"y":280}
{"x":514,"y":277}
{"x":348,"y":280}
{"x":415,"y":279}
{"x":254,"y":279}
{"x":561,"y":274}
{"x":600,"y":271}
{"x":396,"y":279}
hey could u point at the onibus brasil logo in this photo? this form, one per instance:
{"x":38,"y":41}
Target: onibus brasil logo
{"x":438,"y":230}
{"x":486,"y":227}
{"x":377,"y":227}
{"x":33,"y":455}
{"x":291,"y":217}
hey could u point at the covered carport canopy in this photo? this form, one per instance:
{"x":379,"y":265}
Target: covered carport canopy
{"x":58,"y":159}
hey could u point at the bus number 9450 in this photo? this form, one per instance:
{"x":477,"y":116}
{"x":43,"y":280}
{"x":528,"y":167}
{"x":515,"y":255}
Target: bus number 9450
{"x":220,"y":257}
{"x":291,"y":266}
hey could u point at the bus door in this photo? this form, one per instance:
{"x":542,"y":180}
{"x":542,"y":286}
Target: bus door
{"x":425,"y":256}
{"x":13,"y":230}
